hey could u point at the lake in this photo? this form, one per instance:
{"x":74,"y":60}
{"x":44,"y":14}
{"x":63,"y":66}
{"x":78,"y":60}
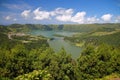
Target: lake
{"x":58,"y":42}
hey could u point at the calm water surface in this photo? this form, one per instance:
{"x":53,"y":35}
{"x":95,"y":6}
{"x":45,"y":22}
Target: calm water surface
{"x":59,"y":42}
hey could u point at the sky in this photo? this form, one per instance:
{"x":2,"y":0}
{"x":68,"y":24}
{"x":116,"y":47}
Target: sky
{"x":59,"y":11}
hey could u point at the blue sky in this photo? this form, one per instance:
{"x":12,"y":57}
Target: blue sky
{"x":59,"y":11}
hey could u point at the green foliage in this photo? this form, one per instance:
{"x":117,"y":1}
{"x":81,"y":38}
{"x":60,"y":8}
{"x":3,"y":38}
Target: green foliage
{"x":35,"y":75}
{"x":37,"y":61}
{"x":14,"y":61}
{"x":88,"y":38}
{"x":88,"y":50}
{"x":4,"y":78}
{"x":4,"y":29}
{"x":22,"y":59}
{"x":62,"y":67}
{"x":102,"y":61}
{"x":17,"y":58}
{"x":113,"y":76}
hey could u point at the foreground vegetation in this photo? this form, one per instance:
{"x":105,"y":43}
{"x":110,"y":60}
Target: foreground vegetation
{"x":35,"y":60}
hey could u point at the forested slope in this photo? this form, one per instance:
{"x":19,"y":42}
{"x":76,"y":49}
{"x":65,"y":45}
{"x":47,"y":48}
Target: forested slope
{"x":65,"y":27}
{"x":109,"y":36}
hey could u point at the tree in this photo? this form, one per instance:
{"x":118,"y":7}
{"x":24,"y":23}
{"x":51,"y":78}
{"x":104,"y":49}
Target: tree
{"x":35,"y":75}
{"x":62,"y":66}
{"x":102,"y":61}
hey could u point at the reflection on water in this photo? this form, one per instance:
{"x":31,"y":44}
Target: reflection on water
{"x":59,"y":42}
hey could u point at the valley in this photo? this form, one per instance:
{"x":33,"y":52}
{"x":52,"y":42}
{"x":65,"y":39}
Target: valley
{"x":58,"y":52}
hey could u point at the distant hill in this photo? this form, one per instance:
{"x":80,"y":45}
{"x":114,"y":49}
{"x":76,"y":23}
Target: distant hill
{"x":66,"y":27}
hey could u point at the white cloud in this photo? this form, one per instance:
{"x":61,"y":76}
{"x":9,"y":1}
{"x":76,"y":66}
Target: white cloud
{"x":25,"y":13}
{"x":41,"y":15}
{"x":59,"y":11}
{"x":52,"y":13}
{"x":117,"y":19}
{"x":92,"y":20}
{"x":69,"y":11}
{"x":79,"y":17}
{"x":63,"y":11}
{"x":64,"y":18}
{"x":10,"y":18}
{"x":67,"y":15}
{"x":7,"y":18}
{"x":106,"y":17}
{"x":63,"y":14}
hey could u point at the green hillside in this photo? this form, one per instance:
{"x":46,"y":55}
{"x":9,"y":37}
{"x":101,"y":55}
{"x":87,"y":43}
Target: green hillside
{"x":29,"y":57}
{"x":66,"y":27}
{"x":109,"y":36}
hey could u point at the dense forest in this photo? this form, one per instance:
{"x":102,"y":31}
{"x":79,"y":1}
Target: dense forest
{"x":30,"y":57}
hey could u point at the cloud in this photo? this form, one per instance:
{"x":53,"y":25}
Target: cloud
{"x":10,"y":18}
{"x":117,"y":19}
{"x":21,"y":6}
{"x":41,"y":15}
{"x":106,"y":17}
{"x":67,"y":15}
{"x":63,"y":14}
{"x":64,"y":18}
{"x":63,"y":11}
{"x":7,"y":18}
{"x":79,"y":17}
{"x":25,"y":13}
{"x":92,"y":20}
{"x":14,"y":19}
